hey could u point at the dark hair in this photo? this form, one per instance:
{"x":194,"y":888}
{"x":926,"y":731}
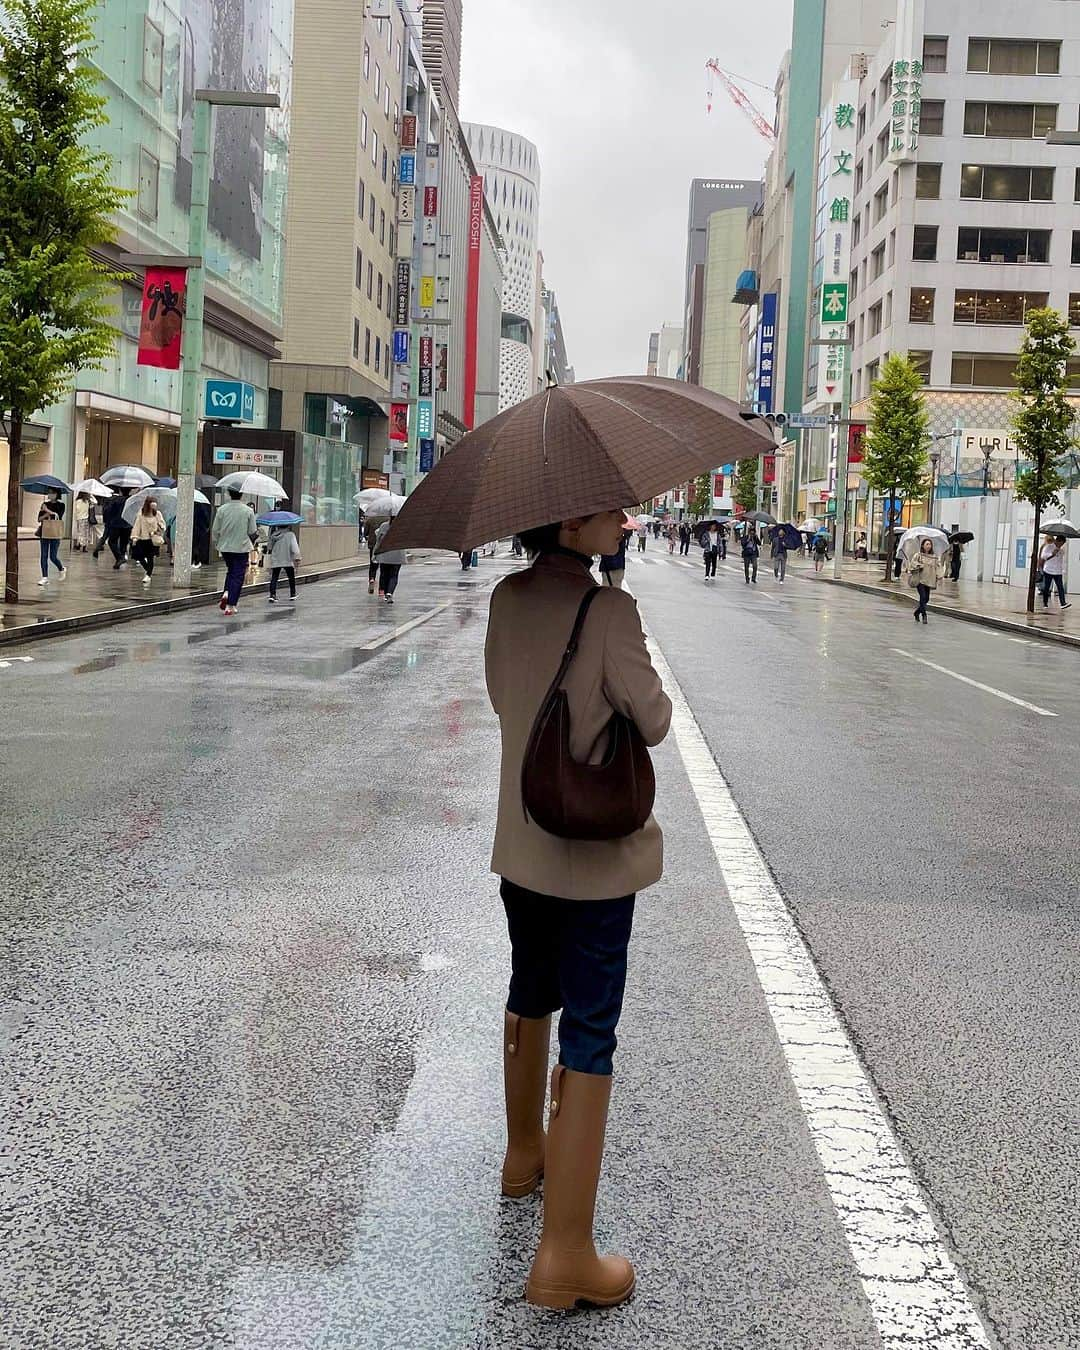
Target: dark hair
{"x":235,"y":494}
{"x":541,"y":539}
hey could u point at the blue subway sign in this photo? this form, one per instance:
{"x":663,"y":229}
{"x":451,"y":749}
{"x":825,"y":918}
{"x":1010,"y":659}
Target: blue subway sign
{"x":229,"y":401}
{"x":401,"y":346}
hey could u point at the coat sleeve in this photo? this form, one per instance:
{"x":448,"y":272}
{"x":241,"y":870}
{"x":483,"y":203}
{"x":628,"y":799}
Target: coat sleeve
{"x":490,"y":647}
{"x":631,"y":685}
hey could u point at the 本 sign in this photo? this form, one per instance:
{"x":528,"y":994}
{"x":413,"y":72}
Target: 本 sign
{"x":834,"y":303}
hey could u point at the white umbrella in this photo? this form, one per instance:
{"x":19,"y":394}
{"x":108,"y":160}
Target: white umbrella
{"x":165,"y":498}
{"x":252,"y":484}
{"x":811,"y":523}
{"x":1060,"y":529}
{"x":127,"y":476}
{"x":93,"y":487}
{"x":379,"y":502}
{"x":911,"y":540}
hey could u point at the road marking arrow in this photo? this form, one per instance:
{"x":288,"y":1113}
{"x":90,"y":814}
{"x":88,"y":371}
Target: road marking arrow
{"x":6,"y":665}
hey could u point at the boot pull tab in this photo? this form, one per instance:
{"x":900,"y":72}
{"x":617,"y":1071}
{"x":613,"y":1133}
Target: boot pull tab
{"x":556,"y":1089}
{"x":513,"y":1033}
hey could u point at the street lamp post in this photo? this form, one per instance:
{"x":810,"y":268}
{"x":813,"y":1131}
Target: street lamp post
{"x":935,"y":460}
{"x":192,"y":347}
{"x":987,"y":450}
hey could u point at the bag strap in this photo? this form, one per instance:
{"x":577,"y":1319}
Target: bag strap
{"x":572,"y":645}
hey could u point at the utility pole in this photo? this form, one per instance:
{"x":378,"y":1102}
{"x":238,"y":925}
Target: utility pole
{"x":191,"y":353}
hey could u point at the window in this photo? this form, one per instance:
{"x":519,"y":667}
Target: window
{"x":393,"y":241}
{"x":382,"y":227}
{"x":397,"y":118}
{"x":389,"y":30}
{"x":1074,"y":310}
{"x":1075,"y":247}
{"x":386,"y":103}
{"x":1002,"y":245}
{"x":872,"y":369}
{"x":856,"y":228}
{"x":883,"y":146}
{"x":928,"y":181}
{"x":935,"y":52}
{"x":385,"y":164}
{"x":370,"y":280}
{"x":360,"y":200}
{"x":356,"y":338}
{"x":877,"y":262}
{"x":888,"y":309}
{"x":881,"y":203}
{"x":359,"y":270}
{"x":987,"y":372}
{"x":378,"y":351}
{"x":921,"y":362}
{"x":367,"y":346}
{"x":1076,"y":187}
{"x":932,"y":117}
{"x":379,"y":290}
{"x":371,"y":213}
{"x":861,"y":132}
{"x":858,"y":177}
{"x":874,"y":317}
{"x":998,"y":307}
{"x":1006,"y":183}
{"x":374,"y":146}
{"x":367,"y":60}
{"x":924,"y":243}
{"x":378,"y":81}
{"x":152,"y":55}
{"x":149,"y":173}
{"x":397,"y":58}
{"x":1013,"y":56}
{"x":389,"y":301}
{"x":363,"y":130}
{"x":892,"y":247}
{"x":921,"y":305}
{"x":1025,"y":121}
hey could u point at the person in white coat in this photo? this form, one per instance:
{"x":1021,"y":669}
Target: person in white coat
{"x":390,"y":564}
{"x":147,"y":537}
{"x":1052,"y":567}
{"x":283,"y":552}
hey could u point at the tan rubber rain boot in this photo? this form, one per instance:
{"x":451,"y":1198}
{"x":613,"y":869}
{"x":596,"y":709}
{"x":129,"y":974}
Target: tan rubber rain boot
{"x":525,"y":1067}
{"x":567,"y":1271}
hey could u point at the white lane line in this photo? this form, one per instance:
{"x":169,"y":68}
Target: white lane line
{"x":6,"y":665}
{"x":912,"y":1286}
{"x":976,"y":684}
{"x":395,"y":633}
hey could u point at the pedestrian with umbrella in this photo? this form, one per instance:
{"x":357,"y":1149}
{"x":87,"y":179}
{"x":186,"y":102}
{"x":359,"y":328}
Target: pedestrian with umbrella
{"x":613,"y":565}
{"x":956,"y":552}
{"x":391,"y":561}
{"x":116,"y":532}
{"x":922,"y":551}
{"x":148,"y":536}
{"x":821,"y":549}
{"x":779,"y":552}
{"x":685,"y":535}
{"x":234,"y":535}
{"x":50,"y":530}
{"x":711,"y":540}
{"x":578,"y":701}
{"x":1052,"y":558}
{"x":282,"y":549}
{"x":751,"y":551}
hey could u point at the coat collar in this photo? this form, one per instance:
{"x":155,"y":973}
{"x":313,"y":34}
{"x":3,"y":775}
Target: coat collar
{"x":572,"y":563}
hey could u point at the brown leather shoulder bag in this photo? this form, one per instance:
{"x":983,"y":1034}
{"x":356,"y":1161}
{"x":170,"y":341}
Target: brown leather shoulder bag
{"x":608,"y":800}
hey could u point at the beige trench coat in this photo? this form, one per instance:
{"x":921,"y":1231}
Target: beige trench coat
{"x":531,"y":616}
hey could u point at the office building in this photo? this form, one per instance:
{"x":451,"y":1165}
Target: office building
{"x":441,"y":26}
{"x":721,"y":364}
{"x":707,"y":196}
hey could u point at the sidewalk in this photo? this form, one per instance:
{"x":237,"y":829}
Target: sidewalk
{"x":982,"y":602}
{"x":94,"y":595}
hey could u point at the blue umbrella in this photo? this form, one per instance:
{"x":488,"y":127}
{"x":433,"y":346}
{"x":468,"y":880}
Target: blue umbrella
{"x":279,"y":518}
{"x":165,"y":481}
{"x":791,"y":535}
{"x":44,"y":482}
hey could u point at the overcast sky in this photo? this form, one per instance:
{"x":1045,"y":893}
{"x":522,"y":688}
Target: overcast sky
{"x":613,"y":94}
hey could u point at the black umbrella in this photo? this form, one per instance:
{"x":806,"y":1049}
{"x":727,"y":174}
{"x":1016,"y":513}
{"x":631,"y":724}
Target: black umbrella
{"x":1060,"y":529}
{"x":965,"y":537}
{"x":762,"y":517}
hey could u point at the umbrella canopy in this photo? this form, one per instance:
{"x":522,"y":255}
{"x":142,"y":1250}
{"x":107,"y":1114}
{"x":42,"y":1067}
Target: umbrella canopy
{"x":965,"y":536}
{"x":42,"y":483}
{"x":911,"y":540}
{"x":1060,"y":529}
{"x":252,"y":485}
{"x":279,"y":518}
{"x":572,"y":451}
{"x":379,"y":502}
{"x":165,"y":498}
{"x":792,"y":537}
{"x":93,"y":487}
{"x":165,"y":481}
{"x":761,"y":517}
{"x":127,"y":476}
{"x":809,"y":525}
{"x":631,"y":522}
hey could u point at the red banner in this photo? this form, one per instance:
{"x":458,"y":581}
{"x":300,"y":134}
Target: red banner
{"x":162,"y":328}
{"x":408,"y":131}
{"x":718,"y":485}
{"x":399,"y":421}
{"x":768,"y":469}
{"x":431,"y":201}
{"x":427,"y":351}
{"x":472,"y":296}
{"x":856,"y":443}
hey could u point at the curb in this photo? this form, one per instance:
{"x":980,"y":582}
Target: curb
{"x":965,"y":615}
{"x":106,"y":618}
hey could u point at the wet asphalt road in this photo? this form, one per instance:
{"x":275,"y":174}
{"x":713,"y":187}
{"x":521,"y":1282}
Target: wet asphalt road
{"x":253,"y":966}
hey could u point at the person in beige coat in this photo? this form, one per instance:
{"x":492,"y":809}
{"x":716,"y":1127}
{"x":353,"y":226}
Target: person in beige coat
{"x":569,"y":903}
{"x":924,"y":573}
{"x":147,"y":537}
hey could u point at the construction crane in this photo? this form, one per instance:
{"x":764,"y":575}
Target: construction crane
{"x":740,"y":98}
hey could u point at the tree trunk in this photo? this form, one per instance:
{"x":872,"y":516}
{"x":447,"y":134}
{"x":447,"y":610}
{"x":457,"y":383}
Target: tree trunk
{"x":1034,"y":568}
{"x":11,"y":552}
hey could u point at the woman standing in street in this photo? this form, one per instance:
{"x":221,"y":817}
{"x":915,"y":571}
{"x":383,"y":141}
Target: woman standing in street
{"x":50,"y":532}
{"x":390,"y":565}
{"x":1052,"y":566}
{"x":924,"y":573}
{"x":569,"y":902}
{"x":147,"y":537}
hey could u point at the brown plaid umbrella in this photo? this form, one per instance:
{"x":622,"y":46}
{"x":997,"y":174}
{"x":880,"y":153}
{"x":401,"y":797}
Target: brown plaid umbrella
{"x":572,"y":451}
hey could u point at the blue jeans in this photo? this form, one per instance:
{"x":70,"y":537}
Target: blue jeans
{"x":570,"y":954}
{"x":50,"y":552}
{"x":237,"y":564}
{"x":1050,"y":580}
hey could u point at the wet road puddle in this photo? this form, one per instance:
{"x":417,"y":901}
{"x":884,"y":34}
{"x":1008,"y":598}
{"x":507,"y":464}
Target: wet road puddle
{"x":149,"y":651}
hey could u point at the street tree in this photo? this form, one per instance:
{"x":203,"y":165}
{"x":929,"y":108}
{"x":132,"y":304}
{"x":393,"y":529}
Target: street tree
{"x":57,"y":199}
{"x":897,"y":436}
{"x":746,"y":484}
{"x":701,"y":496}
{"x":1043,"y":420}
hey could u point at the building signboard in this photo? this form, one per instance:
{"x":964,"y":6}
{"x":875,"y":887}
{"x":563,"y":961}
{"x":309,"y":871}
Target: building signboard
{"x":399,"y":421}
{"x":406,"y":205}
{"x":401,"y":298}
{"x":907,"y":78}
{"x":407,"y":170}
{"x":372,"y":478}
{"x":427,"y":455}
{"x":839,"y":132}
{"x":431,"y":201}
{"x":766,"y":354}
{"x":402,"y":338}
{"x":229,"y":401}
{"x":408,"y":131}
{"x":975,"y":441}
{"x":425,"y":419}
{"x":427,"y":293}
{"x":242,"y":456}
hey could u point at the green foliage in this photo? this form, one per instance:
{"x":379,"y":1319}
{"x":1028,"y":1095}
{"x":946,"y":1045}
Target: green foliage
{"x":895,"y":460}
{"x":1042,"y":423}
{"x":746,"y":484}
{"x":701,"y":495}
